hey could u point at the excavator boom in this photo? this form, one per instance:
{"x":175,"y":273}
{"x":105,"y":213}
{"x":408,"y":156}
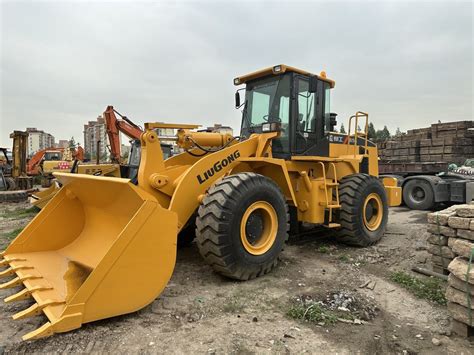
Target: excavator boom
{"x":115,"y":127}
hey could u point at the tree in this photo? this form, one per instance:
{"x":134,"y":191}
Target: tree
{"x":398,"y":133}
{"x":382,"y":135}
{"x":343,"y":130}
{"x":72,"y":143}
{"x":104,"y":157}
{"x":386,"y":133}
{"x":372,"y":133}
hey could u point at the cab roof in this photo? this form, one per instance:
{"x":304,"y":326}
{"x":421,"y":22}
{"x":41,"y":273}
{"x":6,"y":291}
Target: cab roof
{"x":277,"y":70}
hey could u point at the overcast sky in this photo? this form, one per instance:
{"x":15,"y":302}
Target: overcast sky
{"x":408,"y":64}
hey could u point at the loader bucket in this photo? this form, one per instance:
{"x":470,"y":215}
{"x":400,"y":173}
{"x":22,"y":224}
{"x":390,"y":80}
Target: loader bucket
{"x":41,"y":198}
{"x":100,"y":248}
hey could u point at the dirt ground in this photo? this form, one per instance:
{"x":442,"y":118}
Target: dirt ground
{"x":202,"y":312}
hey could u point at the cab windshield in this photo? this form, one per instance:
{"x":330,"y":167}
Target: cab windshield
{"x":52,"y":156}
{"x":267,"y":100}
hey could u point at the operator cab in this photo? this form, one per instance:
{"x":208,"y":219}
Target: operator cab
{"x":290,"y":100}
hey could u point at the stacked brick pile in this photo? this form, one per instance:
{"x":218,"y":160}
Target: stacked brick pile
{"x":442,"y":227}
{"x":451,"y":142}
{"x":457,"y":224}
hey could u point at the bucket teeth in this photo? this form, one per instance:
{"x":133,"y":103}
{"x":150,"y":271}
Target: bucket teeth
{"x":6,"y":261}
{"x":17,"y":281}
{"x":12,"y":283}
{"x":25,"y":293}
{"x":12,"y":270}
{"x":22,"y":295}
{"x":43,"y":331}
{"x":34,"y":310}
{"x":7,"y":272}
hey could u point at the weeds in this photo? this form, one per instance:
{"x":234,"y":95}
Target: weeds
{"x":312,"y":312}
{"x":12,"y":235}
{"x":344,"y":258}
{"x":21,"y":213}
{"x":430,"y":289}
{"x":323,"y":249}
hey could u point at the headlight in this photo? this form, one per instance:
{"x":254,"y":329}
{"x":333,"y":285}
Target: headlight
{"x":236,"y":81}
{"x":277,"y":69}
{"x":271,"y":127}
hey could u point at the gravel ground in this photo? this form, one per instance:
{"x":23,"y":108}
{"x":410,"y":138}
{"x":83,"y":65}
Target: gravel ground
{"x":202,"y":312}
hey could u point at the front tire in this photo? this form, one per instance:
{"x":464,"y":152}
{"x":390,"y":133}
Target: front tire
{"x":242,"y":226}
{"x":364,"y":210}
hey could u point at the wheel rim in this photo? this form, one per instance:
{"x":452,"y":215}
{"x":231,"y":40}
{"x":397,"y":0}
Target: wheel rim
{"x":258,"y":228}
{"x":373,"y":212}
{"x":418,"y":194}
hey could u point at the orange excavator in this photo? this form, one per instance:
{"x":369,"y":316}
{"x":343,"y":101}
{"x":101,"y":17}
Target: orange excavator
{"x":114,"y":126}
{"x":35,"y":164}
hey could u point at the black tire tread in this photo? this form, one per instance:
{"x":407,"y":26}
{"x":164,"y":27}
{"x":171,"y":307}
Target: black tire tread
{"x":13,"y":196}
{"x":211,"y":225}
{"x":350,"y":189}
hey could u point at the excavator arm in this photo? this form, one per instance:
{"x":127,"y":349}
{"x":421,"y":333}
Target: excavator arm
{"x":114,"y":126}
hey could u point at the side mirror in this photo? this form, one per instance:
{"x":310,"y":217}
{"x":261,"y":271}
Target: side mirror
{"x":237,"y":99}
{"x":313,"y":83}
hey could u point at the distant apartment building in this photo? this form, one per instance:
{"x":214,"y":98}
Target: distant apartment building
{"x":93,"y":132}
{"x":37,"y":140}
{"x":63,"y":143}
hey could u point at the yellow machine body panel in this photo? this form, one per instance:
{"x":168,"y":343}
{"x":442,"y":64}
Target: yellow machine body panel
{"x":103,"y":169}
{"x":41,"y":198}
{"x":394,"y":192}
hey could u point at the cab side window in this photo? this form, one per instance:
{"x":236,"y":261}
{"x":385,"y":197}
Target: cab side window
{"x":306,"y":120}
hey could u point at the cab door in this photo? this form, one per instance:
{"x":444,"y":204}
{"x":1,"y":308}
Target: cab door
{"x":308,"y":119}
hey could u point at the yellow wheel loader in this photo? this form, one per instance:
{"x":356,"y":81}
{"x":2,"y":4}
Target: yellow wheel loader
{"x":118,"y":252}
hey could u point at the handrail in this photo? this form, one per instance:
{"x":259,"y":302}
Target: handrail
{"x":358,"y":114}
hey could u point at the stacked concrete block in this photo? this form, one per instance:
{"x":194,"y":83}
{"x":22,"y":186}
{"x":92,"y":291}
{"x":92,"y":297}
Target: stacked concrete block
{"x":441,"y":231}
{"x":460,"y":290}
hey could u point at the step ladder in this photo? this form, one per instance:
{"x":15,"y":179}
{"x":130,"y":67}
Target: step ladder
{"x":330,"y":204}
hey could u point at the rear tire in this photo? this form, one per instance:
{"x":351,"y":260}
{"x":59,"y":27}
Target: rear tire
{"x":13,"y":196}
{"x":418,"y":195}
{"x":242,"y":226}
{"x":364,"y":210}
{"x":11,"y":185}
